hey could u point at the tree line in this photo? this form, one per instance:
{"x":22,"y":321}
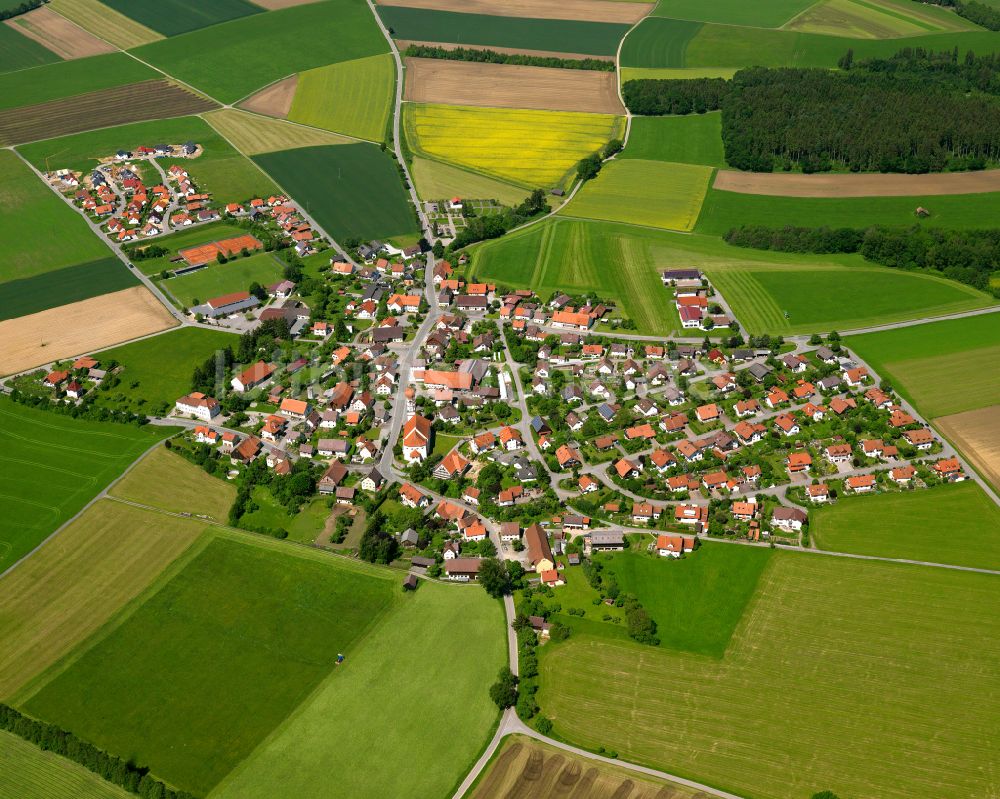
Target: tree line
{"x":977,"y":13}
{"x":653,"y":97}
{"x":519,"y":59}
{"x":123,"y":773}
{"x":968,"y":256}
{"x":493,"y":226}
{"x":23,"y":8}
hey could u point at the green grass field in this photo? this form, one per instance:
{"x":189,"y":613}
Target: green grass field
{"x":653,"y":193}
{"x":561,"y":35}
{"x":218,"y":279}
{"x":270,"y":513}
{"x":867,"y":19}
{"x":63,"y":286}
{"x":436,"y":180}
{"x":278,"y":43}
{"x":58,"y":465}
{"x":192,"y":237}
{"x":19,"y":52}
{"x":770,"y":14}
{"x":161,"y":367}
{"x":350,"y":189}
{"x":352,"y":97}
{"x":28,"y":208}
{"x":697,"y":601}
{"x":68,"y":78}
{"x":224,"y":650}
{"x":941,"y":367}
{"x":171,"y":17}
{"x":691,"y":139}
{"x":673,"y":73}
{"x":658,"y":42}
{"x":427,"y":739}
{"x":724,"y":210}
{"x":844,"y":672}
{"x":27,"y":772}
{"x":221,"y":170}
{"x":955,"y":524}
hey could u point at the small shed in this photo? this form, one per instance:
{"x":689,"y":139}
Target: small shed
{"x":410,"y":583}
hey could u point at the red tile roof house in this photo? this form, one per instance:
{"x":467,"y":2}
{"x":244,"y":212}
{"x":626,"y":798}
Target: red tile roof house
{"x":673,"y":546}
{"x":198,"y":405}
{"x":818,"y":493}
{"x":860,"y":484}
{"x":55,"y":379}
{"x":799,"y":462}
{"x":256,"y":375}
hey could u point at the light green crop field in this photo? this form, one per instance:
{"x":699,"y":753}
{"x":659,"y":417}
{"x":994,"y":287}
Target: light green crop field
{"x":440,"y":635}
{"x":352,"y":97}
{"x":673,"y":73}
{"x":27,"y":772}
{"x":166,"y":480}
{"x":534,"y":149}
{"x":696,"y":601}
{"x":436,"y":180}
{"x":218,"y":279}
{"x":769,"y":14}
{"x":955,"y":524}
{"x":28,"y":211}
{"x":57,"y":465}
{"x":872,"y":19}
{"x":941,"y":367}
{"x":68,"y":589}
{"x":844,"y":672}
{"x":157,"y":370}
{"x":724,"y":210}
{"x":224,"y":650}
{"x":653,"y":193}
{"x":279,"y":43}
{"x":220,"y":170}
{"x":691,"y":139}
{"x":19,"y":52}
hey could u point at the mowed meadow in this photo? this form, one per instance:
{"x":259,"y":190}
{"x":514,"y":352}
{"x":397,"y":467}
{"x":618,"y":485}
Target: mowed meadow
{"x":874,"y":700}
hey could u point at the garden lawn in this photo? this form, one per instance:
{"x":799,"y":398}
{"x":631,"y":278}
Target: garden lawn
{"x":696,"y":601}
{"x":27,"y":772}
{"x":269,"y":515}
{"x":169,"y":481}
{"x":653,"y":193}
{"x":439,"y":635}
{"x":848,"y":669}
{"x":955,"y":524}
{"x":691,"y":139}
{"x":534,"y":149}
{"x":352,"y":97}
{"x":216,"y":59}
{"x":162,"y":367}
{"x":17,"y":51}
{"x":443,"y":444}
{"x":560,"y":35}
{"x":198,"y":674}
{"x":56,"y":465}
{"x":941,"y":367}
{"x":171,"y":17}
{"x":69,"y":78}
{"x":771,"y":14}
{"x":310,"y":521}
{"x":351,"y":190}
{"x":28,"y":211}
{"x":78,"y":580}
{"x":64,"y":286}
{"x":218,"y":279}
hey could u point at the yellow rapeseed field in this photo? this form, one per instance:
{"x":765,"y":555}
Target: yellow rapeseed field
{"x":536,"y":149}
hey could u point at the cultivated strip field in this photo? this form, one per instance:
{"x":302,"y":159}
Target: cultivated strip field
{"x":63,"y":286}
{"x":252,"y":134}
{"x":430,"y":80}
{"x":977,"y":434}
{"x":27,"y":772}
{"x":436,"y":179}
{"x":171,"y":17}
{"x":769,"y":14}
{"x":64,"y":38}
{"x":153,"y":99}
{"x":874,"y":701}
{"x":592,"y":10}
{"x":80,"y":327}
{"x":105,"y":22}
{"x":873,"y":20}
{"x":274,"y":100}
{"x":857,"y":185}
{"x":526,"y":767}
{"x":79,"y":580}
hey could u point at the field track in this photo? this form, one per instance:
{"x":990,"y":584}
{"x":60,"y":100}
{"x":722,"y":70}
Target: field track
{"x":274,"y":100}
{"x":134,"y":102}
{"x":589,"y":10}
{"x":58,"y":34}
{"x":80,"y":327}
{"x":977,"y":435}
{"x":430,"y":80}
{"x":857,"y":185}
{"x":402,"y":44}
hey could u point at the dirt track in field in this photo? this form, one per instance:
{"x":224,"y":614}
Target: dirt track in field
{"x":56,"y":33}
{"x":977,"y":436}
{"x":402,"y":44}
{"x":857,"y":184}
{"x":590,"y":10}
{"x":430,"y":80}
{"x":80,"y":327}
{"x":274,"y":100}
{"x":277,"y":5}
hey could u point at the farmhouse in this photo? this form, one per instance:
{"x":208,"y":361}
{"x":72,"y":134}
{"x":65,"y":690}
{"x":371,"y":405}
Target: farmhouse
{"x":607,"y":541}
{"x":198,"y":405}
{"x":539,"y":552}
{"x":462,"y":569}
{"x":256,"y":375}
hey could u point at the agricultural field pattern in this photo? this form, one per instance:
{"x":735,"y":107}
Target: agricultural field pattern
{"x":465,"y":399}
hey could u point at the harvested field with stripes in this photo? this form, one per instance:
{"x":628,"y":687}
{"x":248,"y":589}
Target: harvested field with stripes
{"x":430,"y":80}
{"x":152,"y":99}
{"x":252,"y":135}
{"x":64,"y":38}
{"x":274,"y":100}
{"x":977,"y":434}
{"x":105,"y":22}
{"x":590,"y":10}
{"x":847,"y":184}
{"x":27,"y":772}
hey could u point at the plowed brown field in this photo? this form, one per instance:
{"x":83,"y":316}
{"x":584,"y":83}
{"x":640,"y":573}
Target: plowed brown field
{"x":430,"y":80}
{"x":151,"y":99}
{"x":591,"y":10}
{"x":64,"y":38}
{"x":274,"y":100}
{"x":977,"y":436}
{"x":857,"y":185}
